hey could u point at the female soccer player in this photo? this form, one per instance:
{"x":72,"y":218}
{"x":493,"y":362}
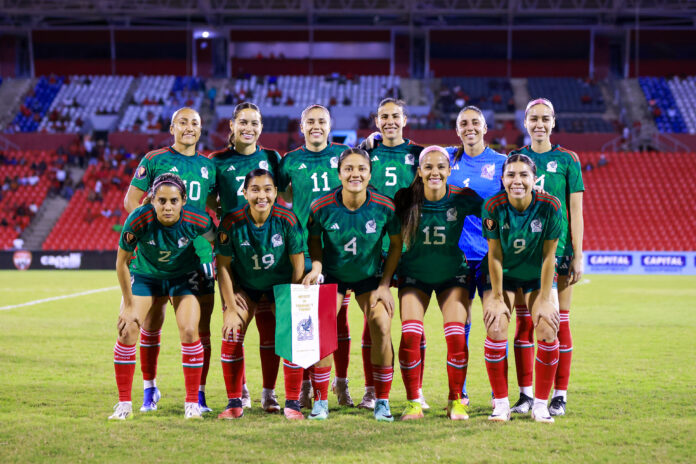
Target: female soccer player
{"x":522,"y":228}
{"x":350,"y":222}
{"x":259,"y":245}
{"x":394,"y":165}
{"x":306,"y":174}
{"x":165,"y":267}
{"x":559,"y":174}
{"x":478,"y":167}
{"x":233,"y":164}
{"x":432,"y":215}
{"x":198,"y":174}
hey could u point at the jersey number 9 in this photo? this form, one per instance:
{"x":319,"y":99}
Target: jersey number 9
{"x":519,"y":245}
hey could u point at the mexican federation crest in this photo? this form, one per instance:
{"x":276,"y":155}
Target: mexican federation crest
{"x":305,"y":330}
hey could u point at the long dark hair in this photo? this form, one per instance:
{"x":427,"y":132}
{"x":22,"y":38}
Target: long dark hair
{"x":409,"y":203}
{"x":460,"y":150}
{"x":238,"y":109}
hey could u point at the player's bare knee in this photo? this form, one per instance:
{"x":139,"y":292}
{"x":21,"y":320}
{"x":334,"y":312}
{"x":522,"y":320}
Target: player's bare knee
{"x":188,"y":334}
{"x":545,"y":332}
{"x":499,"y":333}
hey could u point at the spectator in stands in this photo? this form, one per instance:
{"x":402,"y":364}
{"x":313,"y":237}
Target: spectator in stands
{"x":212,"y":93}
{"x":603,"y":161}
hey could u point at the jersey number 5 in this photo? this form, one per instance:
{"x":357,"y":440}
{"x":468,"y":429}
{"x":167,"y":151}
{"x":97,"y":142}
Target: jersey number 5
{"x":391,"y":176}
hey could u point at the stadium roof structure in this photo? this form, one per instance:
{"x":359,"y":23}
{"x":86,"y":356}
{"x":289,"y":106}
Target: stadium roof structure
{"x":16,"y":14}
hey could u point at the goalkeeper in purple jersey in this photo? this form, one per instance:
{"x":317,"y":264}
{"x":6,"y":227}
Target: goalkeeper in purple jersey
{"x":558,"y":173}
{"x":480,"y":168}
{"x":242,"y":156}
{"x":346,"y":228}
{"x":198,"y":175}
{"x":165,"y":269}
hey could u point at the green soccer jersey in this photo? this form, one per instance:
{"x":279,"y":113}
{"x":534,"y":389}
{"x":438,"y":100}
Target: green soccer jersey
{"x":522,"y":234}
{"x":394,"y":168}
{"x":436,"y":243}
{"x":312,"y":175}
{"x":197,"y":172}
{"x":164,"y":252}
{"x":559,"y":174}
{"x":261,"y":255}
{"x":352,"y":239}
{"x":232,"y":167}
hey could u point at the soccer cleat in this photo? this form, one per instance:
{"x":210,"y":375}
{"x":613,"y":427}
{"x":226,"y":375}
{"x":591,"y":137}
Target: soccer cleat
{"x":340,"y":388}
{"x":501,"y":411}
{"x":465,"y":399}
{"x":320,"y":410}
{"x":413,"y":410}
{"x":150,"y":398}
{"x":292,"y":410}
{"x":383,"y":412}
{"x":540,"y":413}
{"x":306,"y":395}
{"x":523,"y":405}
{"x":368,"y":401}
{"x":234,"y":410}
{"x":457,"y":411}
{"x":246,"y":397}
{"x":421,"y":400}
{"x":123,"y":410}
{"x":192,"y":411}
{"x":201,"y":402}
{"x":558,"y":406}
{"x":269,"y":401}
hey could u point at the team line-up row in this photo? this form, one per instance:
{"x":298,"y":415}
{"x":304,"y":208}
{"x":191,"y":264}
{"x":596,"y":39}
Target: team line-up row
{"x":358,"y":218}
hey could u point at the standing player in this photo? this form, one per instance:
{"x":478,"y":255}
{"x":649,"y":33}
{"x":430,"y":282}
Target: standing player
{"x":559,"y":174}
{"x":432,"y":215}
{"x":198,"y":174}
{"x":351,"y":221}
{"x":394,"y":165}
{"x":522,"y":228}
{"x":259,"y":245}
{"x":242,"y":156}
{"x":165,"y":267}
{"x":305,"y":174}
{"x":478,"y":167}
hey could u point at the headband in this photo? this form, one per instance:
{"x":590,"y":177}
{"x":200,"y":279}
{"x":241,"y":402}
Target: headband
{"x":540,"y":101}
{"x":431,"y":149}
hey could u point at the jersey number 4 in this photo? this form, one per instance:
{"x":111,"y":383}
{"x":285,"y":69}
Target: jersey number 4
{"x":352,"y":246}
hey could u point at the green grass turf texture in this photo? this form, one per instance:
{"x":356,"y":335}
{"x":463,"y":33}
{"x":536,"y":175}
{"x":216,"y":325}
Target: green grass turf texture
{"x":632,"y":392}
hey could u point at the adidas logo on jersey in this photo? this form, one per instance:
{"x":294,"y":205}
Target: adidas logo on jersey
{"x":245,"y":243}
{"x":174,"y":169}
{"x":231,"y":168}
{"x":302,"y":166}
{"x":506,"y":226}
{"x":152,"y":242}
{"x":334,"y":226}
{"x":375,"y":158}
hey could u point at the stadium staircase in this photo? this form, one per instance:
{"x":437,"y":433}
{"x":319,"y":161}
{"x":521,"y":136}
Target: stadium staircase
{"x":11,"y":92}
{"x":520,"y":92}
{"x":48,"y":215}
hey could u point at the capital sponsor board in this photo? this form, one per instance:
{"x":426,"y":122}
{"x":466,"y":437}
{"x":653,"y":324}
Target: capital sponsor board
{"x":60,"y":260}
{"x":640,"y":262}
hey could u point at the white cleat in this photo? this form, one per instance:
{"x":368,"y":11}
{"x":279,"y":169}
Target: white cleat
{"x":540,"y":413}
{"x":269,"y":401}
{"x":123,"y":410}
{"x":192,"y":411}
{"x":421,"y":399}
{"x":501,"y":411}
{"x":369,"y":399}
{"x":246,"y":397}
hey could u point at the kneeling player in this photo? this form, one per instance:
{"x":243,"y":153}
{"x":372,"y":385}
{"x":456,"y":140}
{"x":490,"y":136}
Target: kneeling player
{"x":259,"y":245}
{"x":432,"y":216}
{"x":351,"y":221}
{"x":164,"y":231}
{"x":522,"y":228}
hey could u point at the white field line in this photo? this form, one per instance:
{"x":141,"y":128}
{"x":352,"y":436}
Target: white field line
{"x":583,"y":281}
{"x":54,"y":298}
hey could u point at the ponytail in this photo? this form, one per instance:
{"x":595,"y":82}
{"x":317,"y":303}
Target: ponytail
{"x":409,"y":203}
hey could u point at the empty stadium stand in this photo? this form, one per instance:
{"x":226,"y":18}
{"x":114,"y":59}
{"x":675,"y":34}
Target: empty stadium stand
{"x":663,"y":105}
{"x":568,"y":94}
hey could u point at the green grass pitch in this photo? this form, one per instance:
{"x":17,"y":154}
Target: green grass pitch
{"x":632,"y":395}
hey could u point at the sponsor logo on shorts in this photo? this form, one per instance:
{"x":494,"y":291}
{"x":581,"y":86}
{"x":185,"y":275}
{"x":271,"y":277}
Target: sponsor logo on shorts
{"x":610,"y":260}
{"x":669,"y":261}
{"x":22,"y":259}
